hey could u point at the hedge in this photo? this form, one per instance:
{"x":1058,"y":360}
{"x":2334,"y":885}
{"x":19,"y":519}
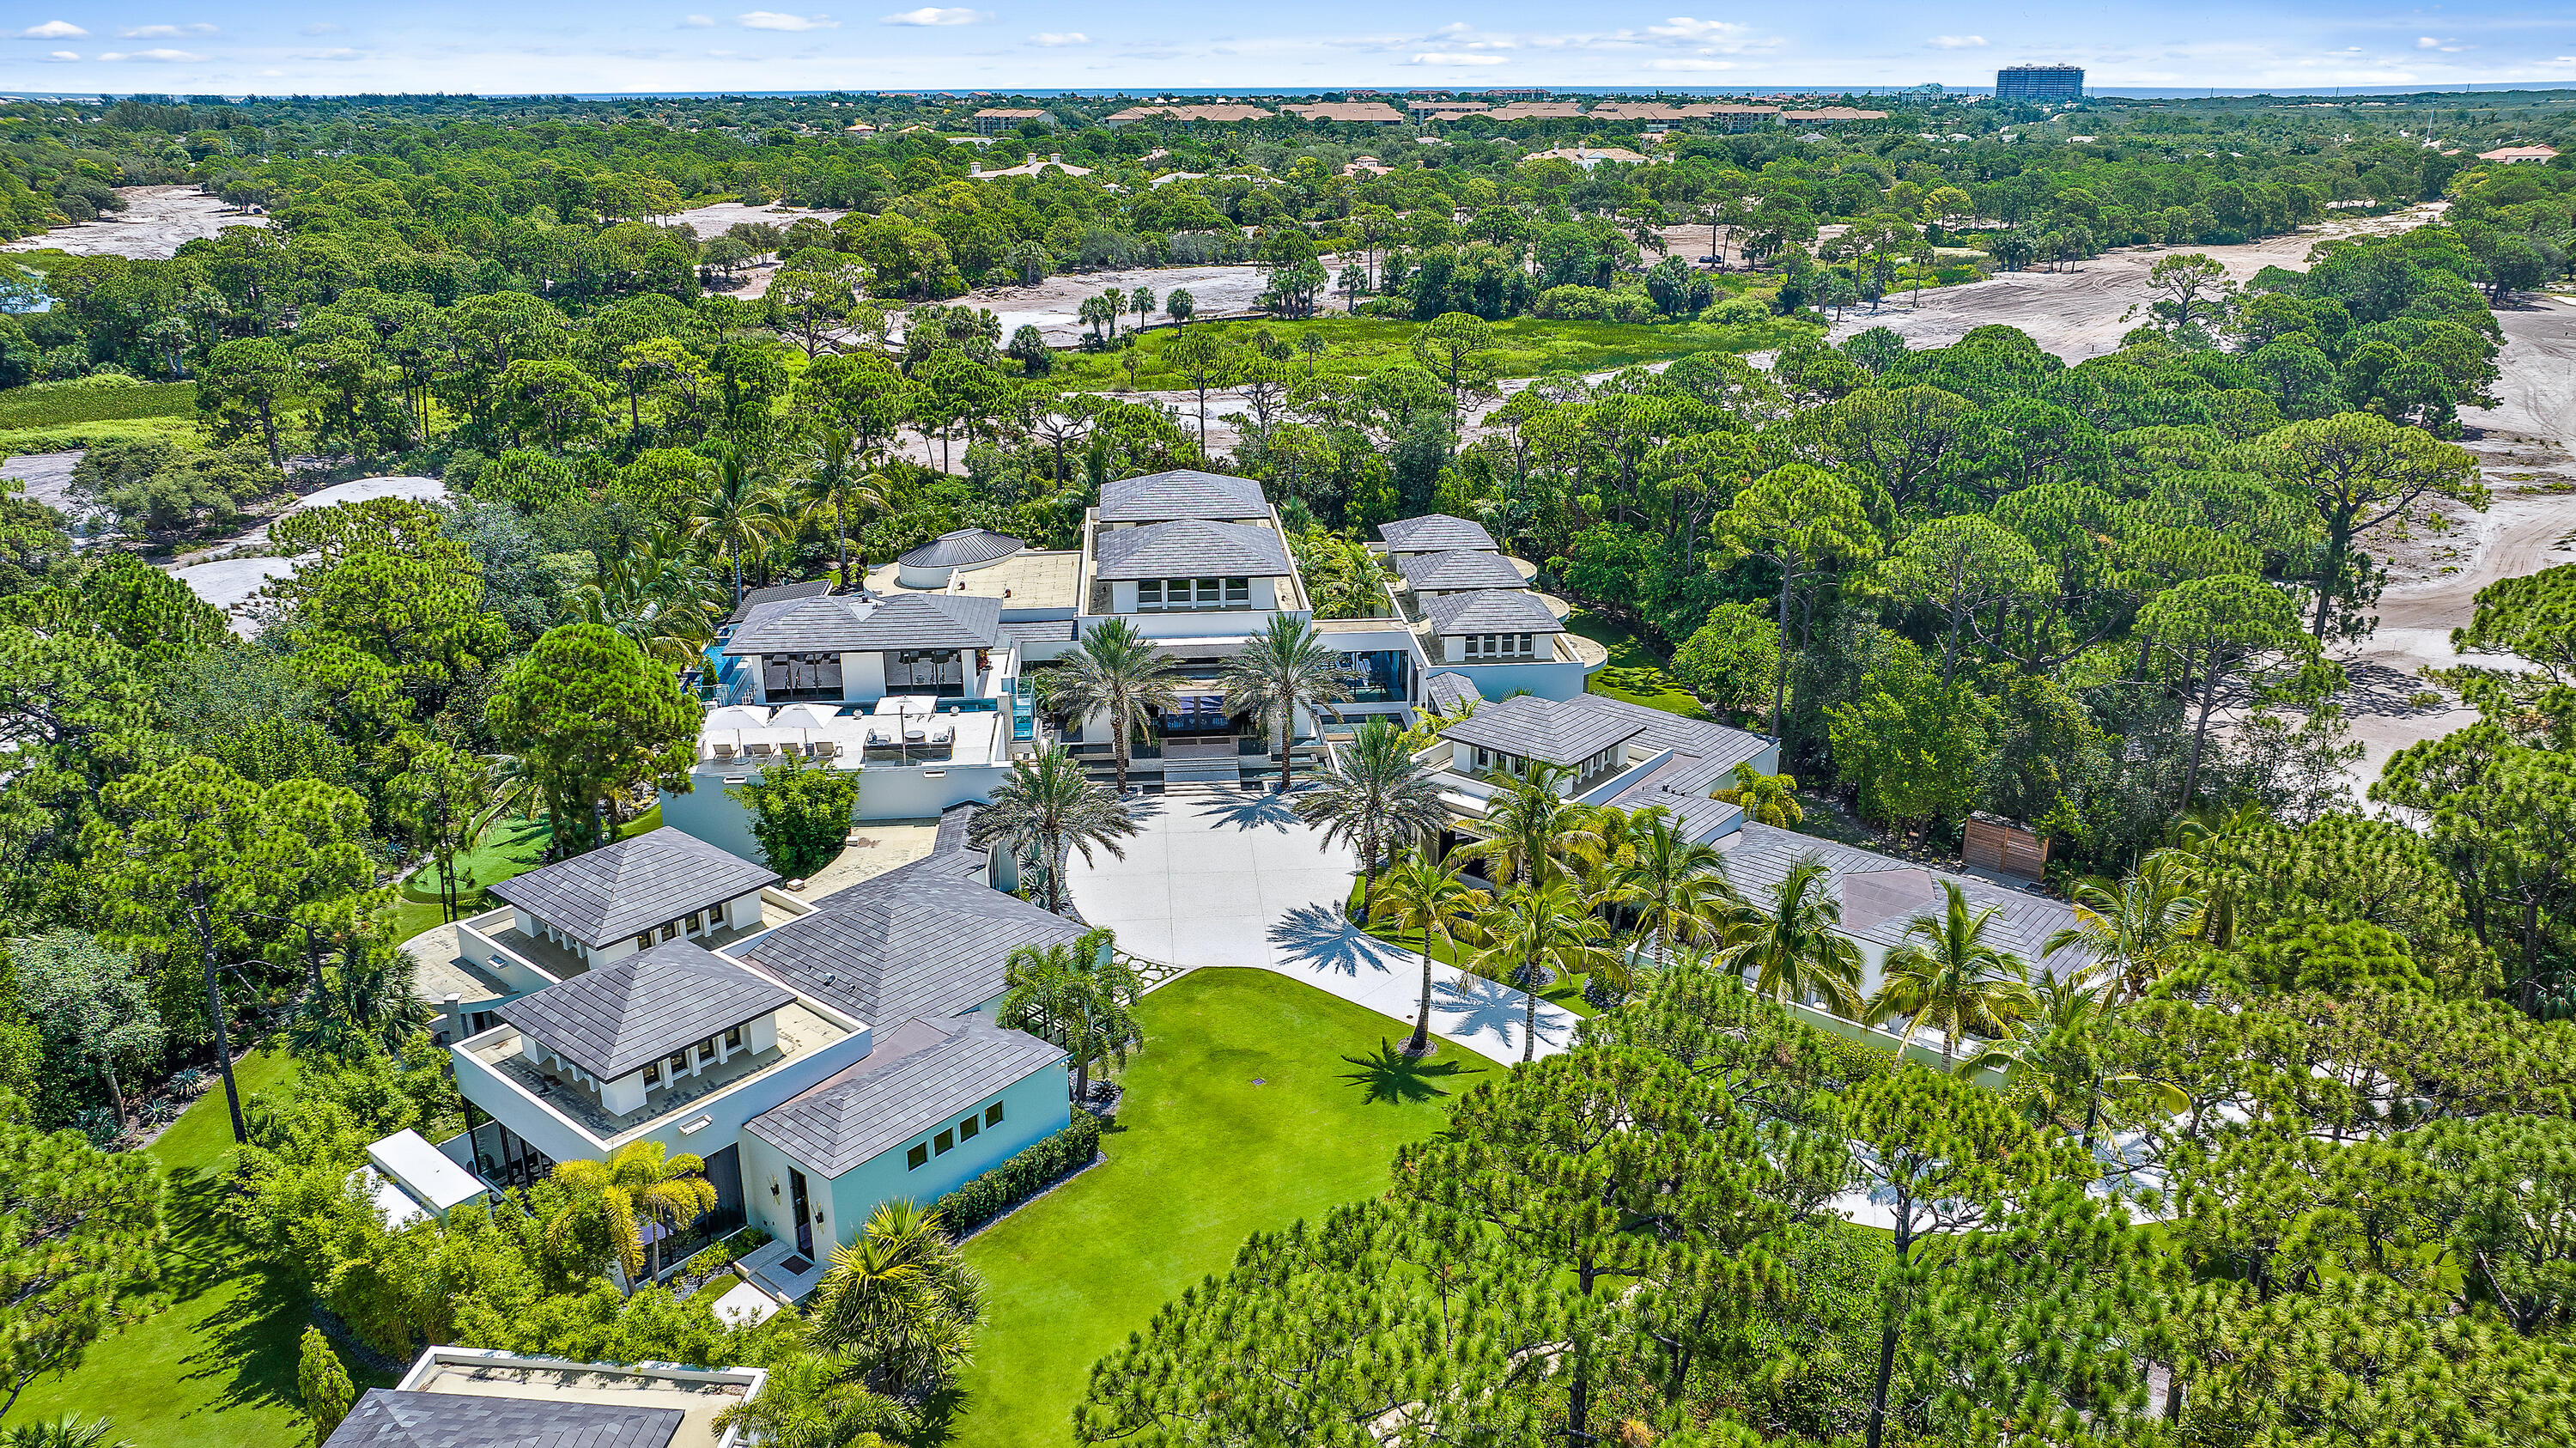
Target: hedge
{"x":1022,"y":1177}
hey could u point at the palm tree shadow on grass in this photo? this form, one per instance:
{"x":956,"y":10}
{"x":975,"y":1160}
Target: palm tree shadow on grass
{"x":249,"y":1350}
{"x":1392,"y":1078}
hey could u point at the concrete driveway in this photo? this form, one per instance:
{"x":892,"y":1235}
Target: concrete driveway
{"x":1232,"y":878}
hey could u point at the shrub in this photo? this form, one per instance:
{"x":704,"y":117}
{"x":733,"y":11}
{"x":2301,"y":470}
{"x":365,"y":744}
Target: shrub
{"x":1022,"y":1177}
{"x":1738,"y":312}
{"x":1592,"y":304}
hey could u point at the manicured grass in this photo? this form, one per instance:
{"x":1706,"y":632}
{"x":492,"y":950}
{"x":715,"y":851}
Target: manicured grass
{"x":31,"y":407}
{"x":1527,"y":347}
{"x":1635,"y":672}
{"x":512,"y":847}
{"x":1258,"y":1100}
{"x":216,"y":1369}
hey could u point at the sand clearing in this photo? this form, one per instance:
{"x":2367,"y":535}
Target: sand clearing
{"x":2079,"y":314}
{"x":156,"y":219}
{"x":712,"y":221}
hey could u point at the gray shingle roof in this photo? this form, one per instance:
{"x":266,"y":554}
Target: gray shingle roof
{"x":386,"y":1418}
{"x":898,"y":621}
{"x":1039,"y":630}
{"x":1705,"y":752}
{"x":617,"y":890}
{"x":1189,"y":549}
{"x":760,"y":598}
{"x":1530,"y":727}
{"x":1458,"y":568}
{"x":914,"y":1078}
{"x":1880,"y":893}
{"x":1489,"y":610}
{"x":1180,"y":493}
{"x":1448,"y":693}
{"x":628,"y":1014}
{"x":1434,"y":533}
{"x":963,"y":547}
{"x":919,"y":940}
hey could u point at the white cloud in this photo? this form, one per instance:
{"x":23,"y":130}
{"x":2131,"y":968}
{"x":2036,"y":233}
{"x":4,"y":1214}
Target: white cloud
{"x":52,"y":30}
{"x":321,"y":27}
{"x":63,"y":55}
{"x":1065,"y":37}
{"x":936,"y":15}
{"x":1957,"y":42}
{"x":772,"y":20}
{"x":1690,"y":64}
{"x":1451,"y":57}
{"x":339,"y":53}
{"x":1683,"y":27}
{"x":162,"y":56}
{"x":165,"y":32}
{"x":696,"y":22}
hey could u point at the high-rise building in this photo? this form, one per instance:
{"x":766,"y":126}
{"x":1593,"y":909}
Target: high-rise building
{"x":2040,"y":83}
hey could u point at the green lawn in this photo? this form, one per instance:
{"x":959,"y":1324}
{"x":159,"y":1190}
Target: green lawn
{"x":1258,"y":1100}
{"x":217,"y":1368}
{"x":32,"y":407}
{"x":1526,"y":347}
{"x":1635,"y":672}
{"x":513,"y":847}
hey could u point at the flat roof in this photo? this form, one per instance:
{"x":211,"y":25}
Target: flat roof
{"x":1030,"y":581}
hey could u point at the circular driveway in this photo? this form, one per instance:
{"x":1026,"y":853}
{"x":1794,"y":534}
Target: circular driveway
{"x":1231,"y":877}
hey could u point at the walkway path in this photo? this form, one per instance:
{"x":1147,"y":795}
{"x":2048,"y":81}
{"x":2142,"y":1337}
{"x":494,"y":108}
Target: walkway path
{"x":1232,"y":877}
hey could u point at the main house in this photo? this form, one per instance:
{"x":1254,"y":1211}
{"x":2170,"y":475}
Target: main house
{"x":821,"y":1059}
{"x":464,"y":1397}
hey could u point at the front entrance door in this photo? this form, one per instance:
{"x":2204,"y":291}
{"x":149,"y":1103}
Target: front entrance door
{"x":804,"y":1214}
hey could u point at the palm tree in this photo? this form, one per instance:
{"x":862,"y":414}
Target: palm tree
{"x":1046,"y":810}
{"x":1949,"y":976}
{"x":1079,"y":996}
{"x":70,"y":1430}
{"x":636,"y":1185}
{"x":837,"y":485}
{"x":1533,"y":828}
{"x":1424,"y":895}
{"x":661,"y":595}
{"x":1678,"y":887}
{"x":739,"y":512}
{"x":1375,"y":798}
{"x":1793,"y":950}
{"x":1116,"y":672}
{"x":2132,"y":929}
{"x":2056,"y":1061}
{"x":899,"y":1304}
{"x":1286,"y":667}
{"x":1766,"y":799}
{"x":1533,"y":930}
{"x":809,"y":1402}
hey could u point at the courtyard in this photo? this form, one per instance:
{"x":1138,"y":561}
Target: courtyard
{"x":1231,"y":877}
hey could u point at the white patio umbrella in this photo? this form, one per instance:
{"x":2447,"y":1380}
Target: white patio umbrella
{"x":738,"y":716}
{"x":806,"y":716}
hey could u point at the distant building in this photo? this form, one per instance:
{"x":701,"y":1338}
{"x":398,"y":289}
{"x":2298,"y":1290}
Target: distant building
{"x":993,"y":120}
{"x":2040,"y":83}
{"x":2510,"y":154}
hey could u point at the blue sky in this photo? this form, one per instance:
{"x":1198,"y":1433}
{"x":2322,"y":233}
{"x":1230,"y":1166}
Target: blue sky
{"x":230,"y":47}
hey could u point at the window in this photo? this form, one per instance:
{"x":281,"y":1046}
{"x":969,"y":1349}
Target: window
{"x":1171,"y":593}
{"x":733,"y":1039}
{"x":918,"y":1157}
{"x":671,"y":931}
{"x":1498,"y":646}
{"x":802,"y":675}
{"x":993,"y":1114}
{"x":676,"y":1064}
{"x":944,"y":1143}
{"x":706,"y":1051}
{"x":644,"y":941}
{"x":967,"y":1128}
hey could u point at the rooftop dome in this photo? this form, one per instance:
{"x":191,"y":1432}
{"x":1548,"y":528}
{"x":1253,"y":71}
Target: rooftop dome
{"x":962,"y":549}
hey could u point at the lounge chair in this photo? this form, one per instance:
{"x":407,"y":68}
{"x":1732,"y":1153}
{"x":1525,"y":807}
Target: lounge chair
{"x":757,"y":749}
{"x":724,"y":750}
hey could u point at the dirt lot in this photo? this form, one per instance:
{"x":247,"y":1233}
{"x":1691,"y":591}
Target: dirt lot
{"x":2527,"y":455}
{"x":709,"y":221}
{"x":2078,"y":314}
{"x":1051,"y":305}
{"x":156,"y":219}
